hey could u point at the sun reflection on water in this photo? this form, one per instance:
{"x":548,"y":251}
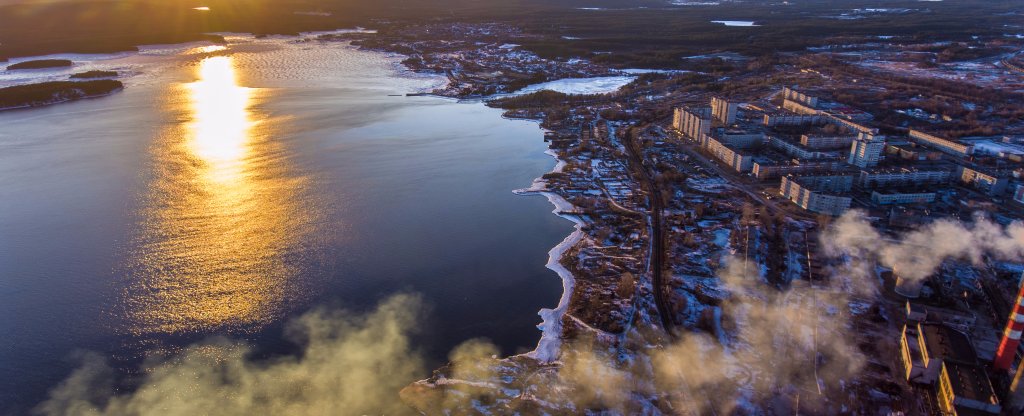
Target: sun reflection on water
{"x":221,"y":124}
{"x":220,"y":224}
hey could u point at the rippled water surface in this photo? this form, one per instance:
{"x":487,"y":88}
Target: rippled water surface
{"x":228,"y":189}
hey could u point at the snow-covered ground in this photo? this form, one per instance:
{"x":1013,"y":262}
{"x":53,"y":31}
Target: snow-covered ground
{"x":551,"y":319}
{"x":995,"y":148}
{"x":738,"y":23}
{"x":596,"y":85}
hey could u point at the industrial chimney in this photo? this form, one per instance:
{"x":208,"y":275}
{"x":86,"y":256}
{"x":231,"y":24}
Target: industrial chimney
{"x":1011,"y":335}
{"x":908,"y":288}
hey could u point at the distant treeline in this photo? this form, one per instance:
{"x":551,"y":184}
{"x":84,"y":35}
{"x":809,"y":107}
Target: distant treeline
{"x":44,"y":93}
{"x":650,"y":34}
{"x":543,"y":99}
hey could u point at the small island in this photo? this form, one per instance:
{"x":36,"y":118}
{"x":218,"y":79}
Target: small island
{"x":46,"y":93}
{"x":40,"y":64}
{"x":94,"y":74}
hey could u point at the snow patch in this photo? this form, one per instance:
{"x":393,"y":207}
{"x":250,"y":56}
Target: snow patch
{"x":551,"y":319}
{"x":595,"y":85}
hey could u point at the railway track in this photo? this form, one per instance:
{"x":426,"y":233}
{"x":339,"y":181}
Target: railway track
{"x":657,"y":256}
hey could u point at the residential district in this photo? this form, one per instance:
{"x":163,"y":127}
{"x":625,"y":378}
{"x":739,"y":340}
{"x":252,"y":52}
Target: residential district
{"x":808,"y":233}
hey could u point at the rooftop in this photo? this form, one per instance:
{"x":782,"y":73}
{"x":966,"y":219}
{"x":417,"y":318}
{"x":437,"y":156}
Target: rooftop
{"x":946,"y":343}
{"x":970,"y":382}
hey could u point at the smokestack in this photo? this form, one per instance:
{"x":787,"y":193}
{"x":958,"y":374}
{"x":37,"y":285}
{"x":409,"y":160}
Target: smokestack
{"x":908,"y":288}
{"x":1011,"y":335}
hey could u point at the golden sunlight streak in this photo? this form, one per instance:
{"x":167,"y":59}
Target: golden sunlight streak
{"x":222,"y":218}
{"x":220,"y":128}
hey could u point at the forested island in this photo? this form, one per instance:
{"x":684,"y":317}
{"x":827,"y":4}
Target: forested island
{"x":40,"y":64}
{"x":94,"y":74}
{"x":46,"y":93}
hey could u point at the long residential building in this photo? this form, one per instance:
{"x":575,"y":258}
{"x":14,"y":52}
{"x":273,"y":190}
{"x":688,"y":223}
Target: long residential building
{"x":900,"y":198}
{"x":739,"y":139}
{"x":798,"y":151}
{"x":826,"y":142}
{"x":693,"y":123}
{"x":799,"y":108}
{"x":728,"y":155}
{"x":791,"y":94}
{"x":764,"y":171}
{"x":951,"y":147}
{"x":901,"y":177}
{"x":808,"y":192}
{"x":789,"y":119}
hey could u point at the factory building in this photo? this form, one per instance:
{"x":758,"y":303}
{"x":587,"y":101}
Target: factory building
{"x":808,"y":192}
{"x":964,"y":389}
{"x":723,"y":110}
{"x":693,"y":123}
{"x":989,"y":183}
{"x":925,"y":346}
{"x":826,"y":142}
{"x":901,"y":198}
{"x":901,"y":177}
{"x":866,"y":151}
{"x":951,"y":147}
{"x":937,"y":355}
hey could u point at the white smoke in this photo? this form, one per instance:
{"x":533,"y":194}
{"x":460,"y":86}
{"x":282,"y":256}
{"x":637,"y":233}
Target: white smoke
{"x":918,"y":254}
{"x":777,"y":340}
{"x":349,"y":365}
{"x":775,"y":344}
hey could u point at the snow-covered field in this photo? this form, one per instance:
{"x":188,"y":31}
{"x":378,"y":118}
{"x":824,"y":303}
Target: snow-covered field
{"x":995,"y":148}
{"x":739,"y":23}
{"x":596,"y":85}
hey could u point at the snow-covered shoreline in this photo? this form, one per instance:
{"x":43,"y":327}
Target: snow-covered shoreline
{"x":550,"y":342}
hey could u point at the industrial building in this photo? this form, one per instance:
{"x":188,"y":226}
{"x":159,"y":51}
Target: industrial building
{"x":964,"y":389}
{"x":925,"y":346}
